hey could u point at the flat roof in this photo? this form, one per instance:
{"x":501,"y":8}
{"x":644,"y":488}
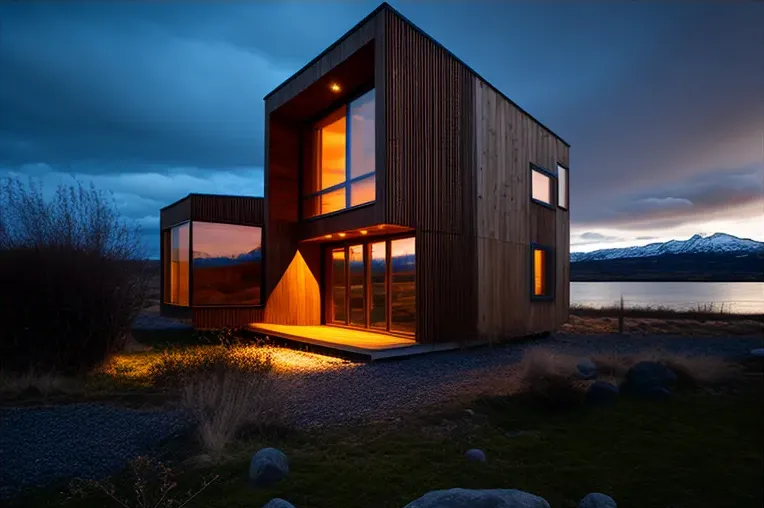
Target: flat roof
{"x":385,"y":5}
{"x":209,"y":195}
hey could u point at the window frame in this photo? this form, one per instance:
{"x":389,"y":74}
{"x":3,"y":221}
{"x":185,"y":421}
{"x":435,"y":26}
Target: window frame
{"x":552,"y":205}
{"x":567,"y":186}
{"x":343,"y":105}
{"x":166,"y":238}
{"x":551,"y":272}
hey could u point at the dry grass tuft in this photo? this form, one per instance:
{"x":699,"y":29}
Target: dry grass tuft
{"x":547,"y":379}
{"x":38,"y":383}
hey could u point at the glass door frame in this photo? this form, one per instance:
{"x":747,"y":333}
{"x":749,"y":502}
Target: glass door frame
{"x":328,"y":289}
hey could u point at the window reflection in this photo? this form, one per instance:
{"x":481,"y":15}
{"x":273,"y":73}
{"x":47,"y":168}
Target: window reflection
{"x":179,"y":257}
{"x":541,"y":187}
{"x":335,"y":182}
{"x":338,"y":286}
{"x":403,"y":285}
{"x":357,"y":286}
{"x":227,"y":264}
{"x":378,"y":311}
{"x":562,"y":186}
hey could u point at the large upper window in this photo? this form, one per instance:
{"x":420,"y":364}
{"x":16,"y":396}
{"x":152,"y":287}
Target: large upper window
{"x":542,"y":268}
{"x":227,"y":264}
{"x":342,"y":174}
{"x":542,"y":190}
{"x":562,"y":186}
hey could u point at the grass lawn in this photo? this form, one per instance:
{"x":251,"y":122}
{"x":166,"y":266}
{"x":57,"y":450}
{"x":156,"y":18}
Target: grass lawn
{"x":695,"y":450}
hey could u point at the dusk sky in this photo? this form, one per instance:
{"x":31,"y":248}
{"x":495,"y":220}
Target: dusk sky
{"x":662,"y":103}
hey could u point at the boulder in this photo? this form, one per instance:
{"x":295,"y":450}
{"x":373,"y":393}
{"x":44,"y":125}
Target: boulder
{"x":659,"y":393}
{"x":758,"y":352}
{"x":601,"y":393}
{"x":597,"y":500}
{"x":586,"y":369}
{"x":277,"y":502}
{"x":644,"y":378}
{"x":475,"y":455}
{"x":268,"y":466}
{"x":489,"y":498}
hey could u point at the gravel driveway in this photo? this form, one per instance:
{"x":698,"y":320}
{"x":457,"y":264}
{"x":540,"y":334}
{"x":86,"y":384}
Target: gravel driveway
{"x":38,"y":445}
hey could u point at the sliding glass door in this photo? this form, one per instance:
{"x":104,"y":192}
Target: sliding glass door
{"x":373,"y":285}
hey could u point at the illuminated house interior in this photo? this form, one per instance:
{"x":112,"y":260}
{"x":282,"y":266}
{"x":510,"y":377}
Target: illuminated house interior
{"x":407,"y":202}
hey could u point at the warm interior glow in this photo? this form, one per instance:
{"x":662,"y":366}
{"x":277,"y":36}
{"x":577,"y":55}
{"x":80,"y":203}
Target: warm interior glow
{"x":539,"y":272}
{"x":333,"y":146}
{"x":334,"y":87}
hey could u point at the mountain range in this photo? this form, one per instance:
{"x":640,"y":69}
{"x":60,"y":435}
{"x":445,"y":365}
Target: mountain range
{"x":718,"y":257}
{"x":203,"y":259}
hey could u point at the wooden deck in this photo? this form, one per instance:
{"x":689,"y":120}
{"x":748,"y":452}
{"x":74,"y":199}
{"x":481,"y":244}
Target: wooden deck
{"x":360,"y":344}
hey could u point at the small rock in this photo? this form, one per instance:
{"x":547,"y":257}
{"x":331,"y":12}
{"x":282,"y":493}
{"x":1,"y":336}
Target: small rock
{"x":469,"y":412}
{"x":268,"y":466}
{"x":597,"y":500}
{"x":601,"y":393}
{"x":586,"y":369}
{"x":475,"y":455}
{"x":758,"y":352}
{"x":464,"y":498}
{"x":277,"y":502}
{"x":644,"y":378}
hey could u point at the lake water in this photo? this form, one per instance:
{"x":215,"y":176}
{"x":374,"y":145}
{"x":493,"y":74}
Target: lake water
{"x":737,"y":297}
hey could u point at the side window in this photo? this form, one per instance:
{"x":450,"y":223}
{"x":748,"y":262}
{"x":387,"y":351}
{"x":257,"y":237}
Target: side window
{"x":542,"y":272}
{"x":562,"y":186}
{"x":542,"y":186}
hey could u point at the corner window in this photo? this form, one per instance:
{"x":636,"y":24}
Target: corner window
{"x":176,"y":265}
{"x":542,"y":270}
{"x":542,"y":189}
{"x":342,"y":174}
{"x":562,"y":186}
{"x":227,"y":264}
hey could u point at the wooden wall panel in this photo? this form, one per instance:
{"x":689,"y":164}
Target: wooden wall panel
{"x":175,"y":213}
{"x":507,"y":221}
{"x":430,"y":175}
{"x":225,"y":317}
{"x":243,"y":210}
{"x":296,"y":298}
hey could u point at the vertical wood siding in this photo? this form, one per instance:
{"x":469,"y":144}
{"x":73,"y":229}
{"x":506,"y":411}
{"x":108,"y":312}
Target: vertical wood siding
{"x":508,"y":140}
{"x":225,"y":317}
{"x":430,"y":174}
{"x":232,"y":209}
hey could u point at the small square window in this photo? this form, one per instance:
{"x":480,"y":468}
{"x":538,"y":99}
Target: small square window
{"x":542,"y":272}
{"x":542,"y":186}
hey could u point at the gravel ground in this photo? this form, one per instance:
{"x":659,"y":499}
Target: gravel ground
{"x":38,"y":445}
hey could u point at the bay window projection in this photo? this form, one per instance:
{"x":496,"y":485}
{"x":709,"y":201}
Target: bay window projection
{"x":541,"y":186}
{"x":342,"y":175}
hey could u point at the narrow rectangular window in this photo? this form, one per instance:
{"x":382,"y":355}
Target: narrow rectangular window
{"x":542,"y":190}
{"x":562,"y":186}
{"x":542,"y":270}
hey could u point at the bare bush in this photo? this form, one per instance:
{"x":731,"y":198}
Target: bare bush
{"x":72,"y":275}
{"x":31,"y":382}
{"x":146,"y":484}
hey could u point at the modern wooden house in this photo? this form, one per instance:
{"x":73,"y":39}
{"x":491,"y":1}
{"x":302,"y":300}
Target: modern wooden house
{"x":407,"y":201}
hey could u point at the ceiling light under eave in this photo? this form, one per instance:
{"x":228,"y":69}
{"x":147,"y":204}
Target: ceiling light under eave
{"x":335,"y":87}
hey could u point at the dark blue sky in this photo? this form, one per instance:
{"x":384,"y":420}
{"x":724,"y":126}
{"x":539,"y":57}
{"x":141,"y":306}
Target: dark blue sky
{"x":663,"y":103}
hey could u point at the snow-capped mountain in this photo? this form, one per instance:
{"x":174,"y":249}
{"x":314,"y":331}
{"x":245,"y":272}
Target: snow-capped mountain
{"x":716,"y":243}
{"x":205,"y":259}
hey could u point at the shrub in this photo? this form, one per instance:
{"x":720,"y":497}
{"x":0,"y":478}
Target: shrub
{"x":146,"y":484}
{"x":548,"y":381}
{"x":226,"y":389}
{"x":72,"y":283}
